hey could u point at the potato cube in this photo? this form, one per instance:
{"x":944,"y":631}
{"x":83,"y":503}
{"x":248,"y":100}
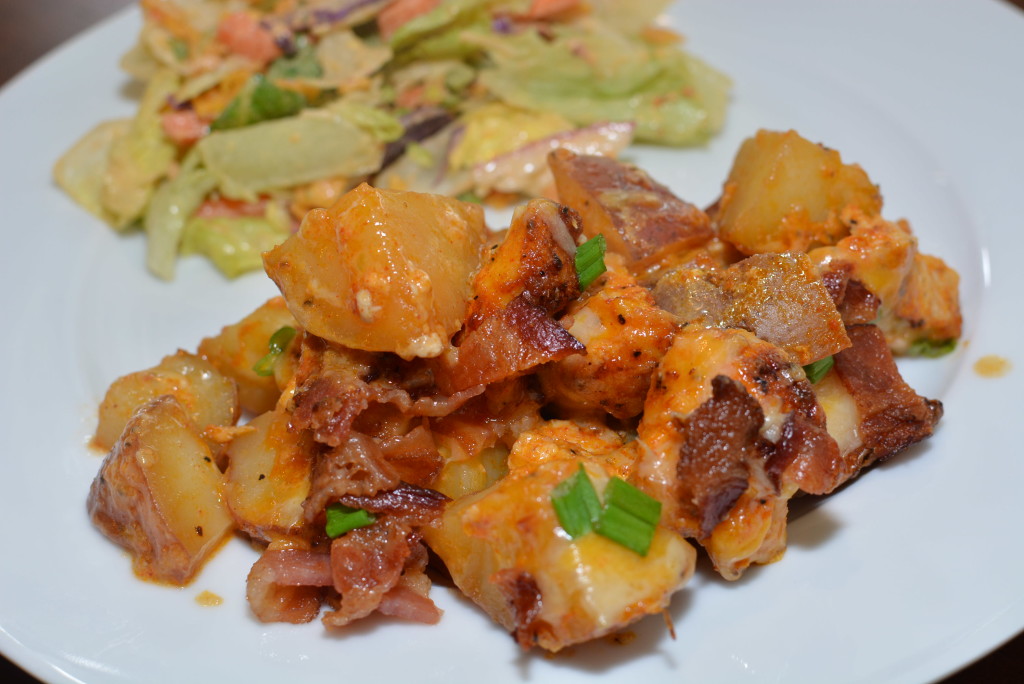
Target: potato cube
{"x":382,"y":270}
{"x":158,"y":493}
{"x":785,"y":193}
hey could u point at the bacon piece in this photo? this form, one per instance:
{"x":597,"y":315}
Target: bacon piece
{"x":408,"y":503}
{"x":720,"y":444}
{"x":892,"y":415}
{"x":525,"y":601}
{"x":380,"y":567}
{"x":505,"y":345}
{"x":414,"y":455}
{"x":356,"y":468}
{"x":286,"y":584}
{"x":335,"y":385}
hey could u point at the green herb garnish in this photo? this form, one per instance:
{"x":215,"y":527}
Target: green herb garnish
{"x":260,"y":100}
{"x":576,"y":504}
{"x":590,"y":260}
{"x":342,"y":519}
{"x":628,"y":517}
{"x":817,"y":370}
{"x":279,"y":341}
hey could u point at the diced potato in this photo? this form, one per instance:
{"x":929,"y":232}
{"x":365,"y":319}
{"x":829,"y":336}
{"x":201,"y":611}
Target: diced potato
{"x":240,"y":346}
{"x":268,"y":476}
{"x":638,"y":216}
{"x":382,"y":270}
{"x":778,"y":297}
{"x":208,"y":397}
{"x":505,"y":548}
{"x":158,"y":493}
{"x":929,"y":308}
{"x":785,"y":193}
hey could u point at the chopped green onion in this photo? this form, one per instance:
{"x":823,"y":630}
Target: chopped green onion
{"x":179,"y":48}
{"x":279,"y":341}
{"x":932,"y":348}
{"x":817,"y":370}
{"x":621,"y":494}
{"x":590,"y":260}
{"x":342,"y":519}
{"x":576,"y":504}
{"x":629,"y":517}
{"x":470,"y":196}
{"x":624,"y":528}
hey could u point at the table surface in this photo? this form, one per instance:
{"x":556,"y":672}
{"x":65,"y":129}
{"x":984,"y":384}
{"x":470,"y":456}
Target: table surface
{"x":30,"y":28}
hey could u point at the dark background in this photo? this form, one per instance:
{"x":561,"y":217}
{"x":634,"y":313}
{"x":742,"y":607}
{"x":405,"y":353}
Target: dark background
{"x":30,"y":28}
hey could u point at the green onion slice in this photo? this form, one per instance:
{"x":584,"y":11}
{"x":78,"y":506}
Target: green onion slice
{"x":817,"y":370}
{"x":279,"y":341}
{"x":625,"y":529}
{"x":590,"y":260}
{"x":342,"y":519}
{"x":628,"y":517}
{"x":576,"y":504}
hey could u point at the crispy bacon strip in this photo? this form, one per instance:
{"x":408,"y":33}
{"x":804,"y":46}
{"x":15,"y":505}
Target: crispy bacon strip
{"x":505,"y":345}
{"x":720,"y":446}
{"x":356,"y":468}
{"x":285,"y":584}
{"x":408,"y":503}
{"x":893,"y":416}
{"x":335,"y":385}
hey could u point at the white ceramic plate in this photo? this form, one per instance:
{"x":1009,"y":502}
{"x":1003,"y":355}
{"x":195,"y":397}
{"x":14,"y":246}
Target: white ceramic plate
{"x":905,"y":576}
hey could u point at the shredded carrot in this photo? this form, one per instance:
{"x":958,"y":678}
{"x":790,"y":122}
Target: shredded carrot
{"x":210,"y":104}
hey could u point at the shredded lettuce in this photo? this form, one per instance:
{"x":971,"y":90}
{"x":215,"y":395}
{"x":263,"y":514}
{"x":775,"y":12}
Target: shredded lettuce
{"x":598,"y":74}
{"x":234,"y":244}
{"x":140,"y":157}
{"x":173,"y":202}
{"x":315,"y":144}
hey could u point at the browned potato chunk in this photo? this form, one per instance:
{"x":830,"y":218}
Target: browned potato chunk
{"x":240,"y":346}
{"x":929,"y":309}
{"x":785,"y":193}
{"x":158,"y":494}
{"x":382,"y":270}
{"x":638,"y":216}
{"x":208,"y":397}
{"x":268,"y":476}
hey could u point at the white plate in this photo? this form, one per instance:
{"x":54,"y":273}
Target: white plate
{"x":908,"y":574}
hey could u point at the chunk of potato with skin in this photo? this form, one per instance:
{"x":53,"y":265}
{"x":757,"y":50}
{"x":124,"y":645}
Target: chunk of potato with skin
{"x":158,"y":493}
{"x":238,"y":347}
{"x":504,"y":546}
{"x":639,"y":218}
{"x":382,"y":270}
{"x":268,"y":477}
{"x":208,"y":397}
{"x":785,"y":193}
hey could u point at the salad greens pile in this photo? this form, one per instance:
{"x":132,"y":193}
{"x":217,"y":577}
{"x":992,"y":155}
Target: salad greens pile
{"x":256,"y":111}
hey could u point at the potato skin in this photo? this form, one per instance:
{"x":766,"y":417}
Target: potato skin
{"x":382,"y":270}
{"x":785,"y":193}
{"x":158,"y":494}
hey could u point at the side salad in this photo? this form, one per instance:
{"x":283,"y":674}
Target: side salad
{"x":256,"y":111}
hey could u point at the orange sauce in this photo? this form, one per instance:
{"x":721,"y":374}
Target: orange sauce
{"x":992,"y":366}
{"x":208,"y":599}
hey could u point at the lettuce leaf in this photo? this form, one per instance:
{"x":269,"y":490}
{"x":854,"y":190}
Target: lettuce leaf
{"x":234,"y":244}
{"x":315,"y":144}
{"x":173,"y":202}
{"x":590,"y":73}
{"x":140,"y":157}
